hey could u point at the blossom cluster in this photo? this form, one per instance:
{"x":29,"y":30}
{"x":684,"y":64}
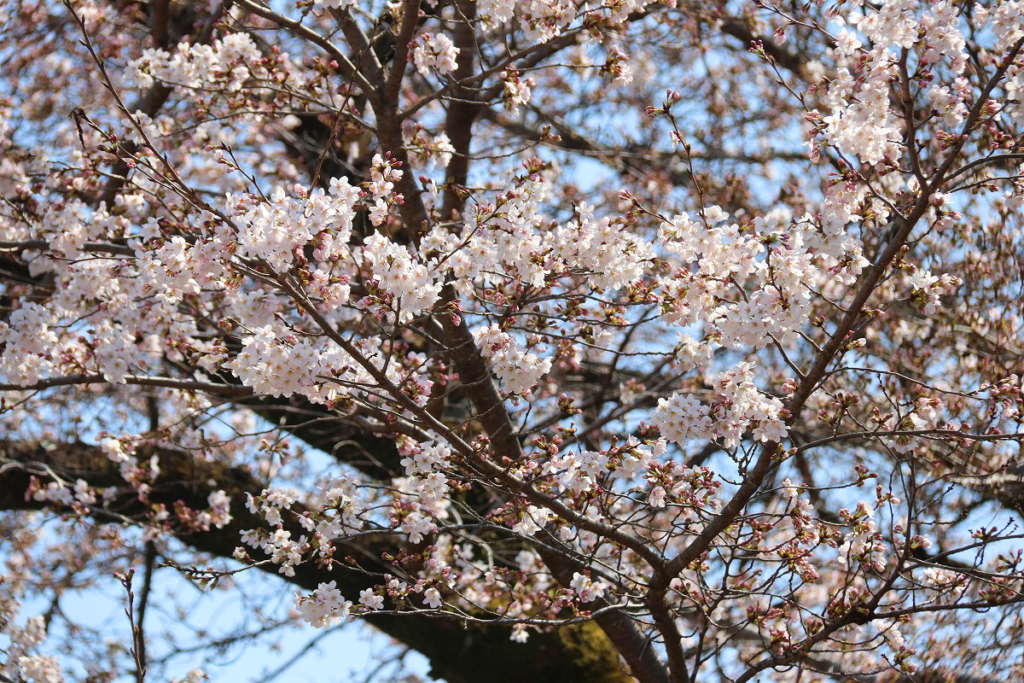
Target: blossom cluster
{"x":227,"y":63}
{"x":862,"y":123}
{"x":435,"y":52}
{"x":739,"y":407}
{"x":21,"y":663}
{"x":517,"y":369}
{"x":275,"y":229}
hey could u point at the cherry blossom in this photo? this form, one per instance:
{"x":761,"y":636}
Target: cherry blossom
{"x":625,"y":340}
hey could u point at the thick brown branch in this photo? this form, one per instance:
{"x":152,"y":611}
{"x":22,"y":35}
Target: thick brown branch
{"x":572,"y":653}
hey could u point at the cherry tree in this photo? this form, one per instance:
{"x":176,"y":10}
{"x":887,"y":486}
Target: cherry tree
{"x":555,"y":340}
